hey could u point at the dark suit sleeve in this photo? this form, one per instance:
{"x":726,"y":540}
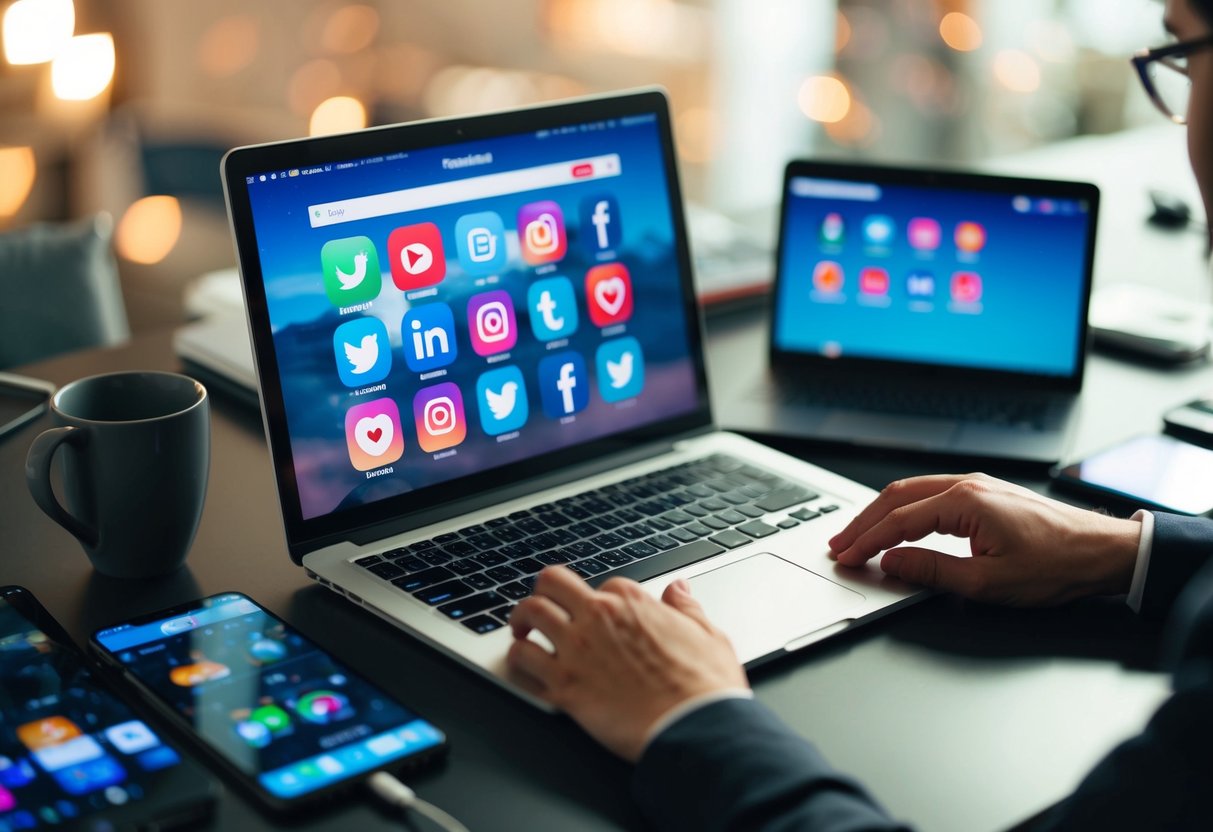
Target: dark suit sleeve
{"x":733,"y":765}
{"x":1161,"y":778}
{"x":1182,"y":545}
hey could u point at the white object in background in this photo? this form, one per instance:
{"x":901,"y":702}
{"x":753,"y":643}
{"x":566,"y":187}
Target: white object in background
{"x":1149,"y":321}
{"x":215,"y":293}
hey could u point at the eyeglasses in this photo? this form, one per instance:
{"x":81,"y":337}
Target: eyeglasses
{"x":1164,"y":74}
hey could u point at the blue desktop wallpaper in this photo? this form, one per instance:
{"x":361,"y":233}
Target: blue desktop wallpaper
{"x":303,"y":319}
{"x":1023,"y":314}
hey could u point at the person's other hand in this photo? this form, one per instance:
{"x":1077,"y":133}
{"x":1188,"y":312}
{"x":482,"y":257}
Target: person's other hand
{"x":1027,"y":549}
{"x":622,"y":658}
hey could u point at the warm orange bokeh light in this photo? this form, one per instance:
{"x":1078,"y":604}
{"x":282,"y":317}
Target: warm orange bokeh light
{"x":960,"y":31}
{"x":84,"y":67}
{"x":149,"y":229}
{"x":35,"y":31}
{"x":1017,"y":71}
{"x":824,"y":98}
{"x":350,"y":29}
{"x":339,"y":114}
{"x":17,"y":172}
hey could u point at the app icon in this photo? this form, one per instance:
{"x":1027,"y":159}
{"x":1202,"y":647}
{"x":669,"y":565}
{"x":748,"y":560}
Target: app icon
{"x":49,"y":731}
{"x":491,"y":322}
{"x":878,"y":230}
{"x":501,"y":396}
{"x":323,"y":707}
{"x":874,"y":281}
{"x":480,"y":241}
{"x":91,"y":776}
{"x":351,"y":270}
{"x":966,"y":287}
{"x":266,"y":651}
{"x":428,"y":333}
{"x":608,"y":292}
{"x":924,"y":233}
{"x":827,"y":277}
{"x":541,"y":232}
{"x":920,"y":285}
{"x":70,"y":753}
{"x":416,"y":256}
{"x":563,"y":384}
{"x":373,"y":435}
{"x":601,"y":228}
{"x":254,"y":734}
{"x":7,"y":801}
{"x":189,"y":675}
{"x":362,"y":351}
{"x":620,"y":366}
{"x":131,"y":737}
{"x":833,"y":229}
{"x":162,"y":756}
{"x":553,"y":308}
{"x":970,"y":237}
{"x":15,"y":773}
{"x":438,"y":415}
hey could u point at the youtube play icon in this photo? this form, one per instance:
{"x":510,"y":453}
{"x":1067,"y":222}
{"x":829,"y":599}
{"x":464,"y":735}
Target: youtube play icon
{"x":416,"y":256}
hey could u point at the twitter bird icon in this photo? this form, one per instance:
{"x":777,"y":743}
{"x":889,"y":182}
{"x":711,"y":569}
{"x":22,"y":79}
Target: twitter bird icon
{"x":503,"y":404}
{"x":362,"y":351}
{"x":620,"y":364}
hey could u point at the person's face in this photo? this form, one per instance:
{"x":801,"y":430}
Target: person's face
{"x":1185,"y":23}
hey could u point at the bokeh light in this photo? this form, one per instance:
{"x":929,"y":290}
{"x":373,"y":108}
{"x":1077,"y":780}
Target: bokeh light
{"x":339,"y":114}
{"x":84,"y":67}
{"x":18,"y":169}
{"x":149,"y":229}
{"x":960,"y":31}
{"x":35,"y":31}
{"x":349,"y":29}
{"x":1017,"y":71}
{"x":824,"y":98}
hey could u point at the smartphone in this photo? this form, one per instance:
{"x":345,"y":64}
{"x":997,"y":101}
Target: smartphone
{"x":21,"y":400}
{"x":1153,"y":471}
{"x":285,"y":720}
{"x":72,"y":754}
{"x":1191,"y":421}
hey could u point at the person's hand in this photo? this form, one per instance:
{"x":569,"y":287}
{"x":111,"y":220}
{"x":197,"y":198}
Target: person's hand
{"x":1027,"y":550}
{"x":622,"y":658}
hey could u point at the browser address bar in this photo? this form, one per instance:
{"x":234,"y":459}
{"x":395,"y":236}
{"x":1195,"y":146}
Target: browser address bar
{"x":463,"y":190}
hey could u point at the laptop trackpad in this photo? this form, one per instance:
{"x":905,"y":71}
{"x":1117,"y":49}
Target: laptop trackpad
{"x":765,"y":602}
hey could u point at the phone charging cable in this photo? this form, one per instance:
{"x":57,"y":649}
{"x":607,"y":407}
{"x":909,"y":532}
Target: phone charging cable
{"x":399,"y":796}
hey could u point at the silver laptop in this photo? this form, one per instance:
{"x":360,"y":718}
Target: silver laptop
{"x":939,"y":312}
{"x":479,"y":354}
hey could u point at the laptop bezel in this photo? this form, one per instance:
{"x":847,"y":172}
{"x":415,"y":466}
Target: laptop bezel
{"x":414,"y":508}
{"x":793,"y":364}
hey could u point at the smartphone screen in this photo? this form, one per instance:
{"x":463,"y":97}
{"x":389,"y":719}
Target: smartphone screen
{"x":71,"y":753}
{"x":270,"y":703}
{"x":1155,"y":470}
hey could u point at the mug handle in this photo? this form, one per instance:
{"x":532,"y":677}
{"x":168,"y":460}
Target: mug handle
{"x":38,"y":478}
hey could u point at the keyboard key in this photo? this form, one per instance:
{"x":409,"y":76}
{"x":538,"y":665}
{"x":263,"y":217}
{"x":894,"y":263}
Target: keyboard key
{"x":518,"y":515}
{"x":700,"y":491}
{"x":608,"y":540}
{"x":471,"y":531}
{"x":422,"y":545}
{"x":414,"y":582}
{"x":436,"y":557}
{"x":532,"y":525}
{"x":749,"y":511}
{"x":627,"y":515}
{"x":563,"y":537}
{"x":368,"y":561}
{"x":662,"y":541}
{"x":437,"y":594}
{"x":484,"y":541}
{"x":731,"y":517}
{"x":502,"y":574}
{"x":805,"y":514}
{"x":392,"y":554}
{"x":387,"y":571}
{"x":465,"y":567}
{"x":757,"y":528}
{"x":591,"y":566}
{"x":480,"y":581}
{"x":498,"y":522}
{"x":471,"y":605}
{"x":528,"y":566}
{"x":698,"y":529}
{"x":515,"y":591}
{"x":583,"y":549}
{"x":411,"y":563}
{"x":543,"y":508}
{"x":640,"y":550}
{"x":678,"y":517}
{"x":664,"y":562}
{"x":637,"y":532}
{"x":784,"y":498}
{"x":788,"y":523}
{"x":502,"y":614}
{"x":735,"y":497}
{"x":715,"y":523}
{"x":695,"y":511}
{"x":490,"y":558}
{"x":827,"y":509}
{"x":460,"y":548}
{"x":730,"y":539}
{"x":713,"y":505}
{"x":482,"y":624}
{"x":585,"y":529}
{"x":449,"y":537}
{"x":606,"y":522}
{"x":657,"y":524}
{"x":555,"y":519}
{"x":556,"y":557}
{"x":508,"y":534}
{"x":683,"y":536}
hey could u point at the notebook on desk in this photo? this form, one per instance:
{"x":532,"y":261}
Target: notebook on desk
{"x":479,"y":354}
{"x":941,"y":312}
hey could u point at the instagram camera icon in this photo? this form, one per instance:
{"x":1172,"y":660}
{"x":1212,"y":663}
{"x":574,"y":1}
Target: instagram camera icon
{"x":541,"y":232}
{"x":491,"y":323}
{"x":438,"y":414}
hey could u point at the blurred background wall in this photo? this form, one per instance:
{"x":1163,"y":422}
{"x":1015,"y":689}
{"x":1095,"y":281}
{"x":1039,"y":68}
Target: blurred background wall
{"x":126,"y":106}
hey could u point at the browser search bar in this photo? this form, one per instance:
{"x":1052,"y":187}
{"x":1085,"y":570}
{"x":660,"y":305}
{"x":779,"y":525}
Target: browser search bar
{"x":464,"y":190}
{"x":804,"y":186}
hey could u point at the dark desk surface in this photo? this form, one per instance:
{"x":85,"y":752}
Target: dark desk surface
{"x":957,"y":716}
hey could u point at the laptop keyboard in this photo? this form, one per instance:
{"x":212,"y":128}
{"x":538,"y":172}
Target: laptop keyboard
{"x":963,"y":405}
{"x":639,"y":528}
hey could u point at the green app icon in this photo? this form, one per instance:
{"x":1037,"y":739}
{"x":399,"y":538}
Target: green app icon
{"x":351,"y":270}
{"x":272,"y":717}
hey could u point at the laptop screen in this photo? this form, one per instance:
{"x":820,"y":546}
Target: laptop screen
{"x":945,"y":270}
{"x":438,"y":311}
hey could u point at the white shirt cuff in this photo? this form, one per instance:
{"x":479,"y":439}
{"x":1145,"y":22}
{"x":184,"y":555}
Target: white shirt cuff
{"x":688,"y":707}
{"x":1138,"y":587}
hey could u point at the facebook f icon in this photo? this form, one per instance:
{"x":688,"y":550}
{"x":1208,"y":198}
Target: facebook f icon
{"x":563,"y":384}
{"x":552,"y":307}
{"x":601,"y":228}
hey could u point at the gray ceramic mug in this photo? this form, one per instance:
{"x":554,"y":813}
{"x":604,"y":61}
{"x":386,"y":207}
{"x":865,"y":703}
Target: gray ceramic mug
{"x":135,"y":450}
